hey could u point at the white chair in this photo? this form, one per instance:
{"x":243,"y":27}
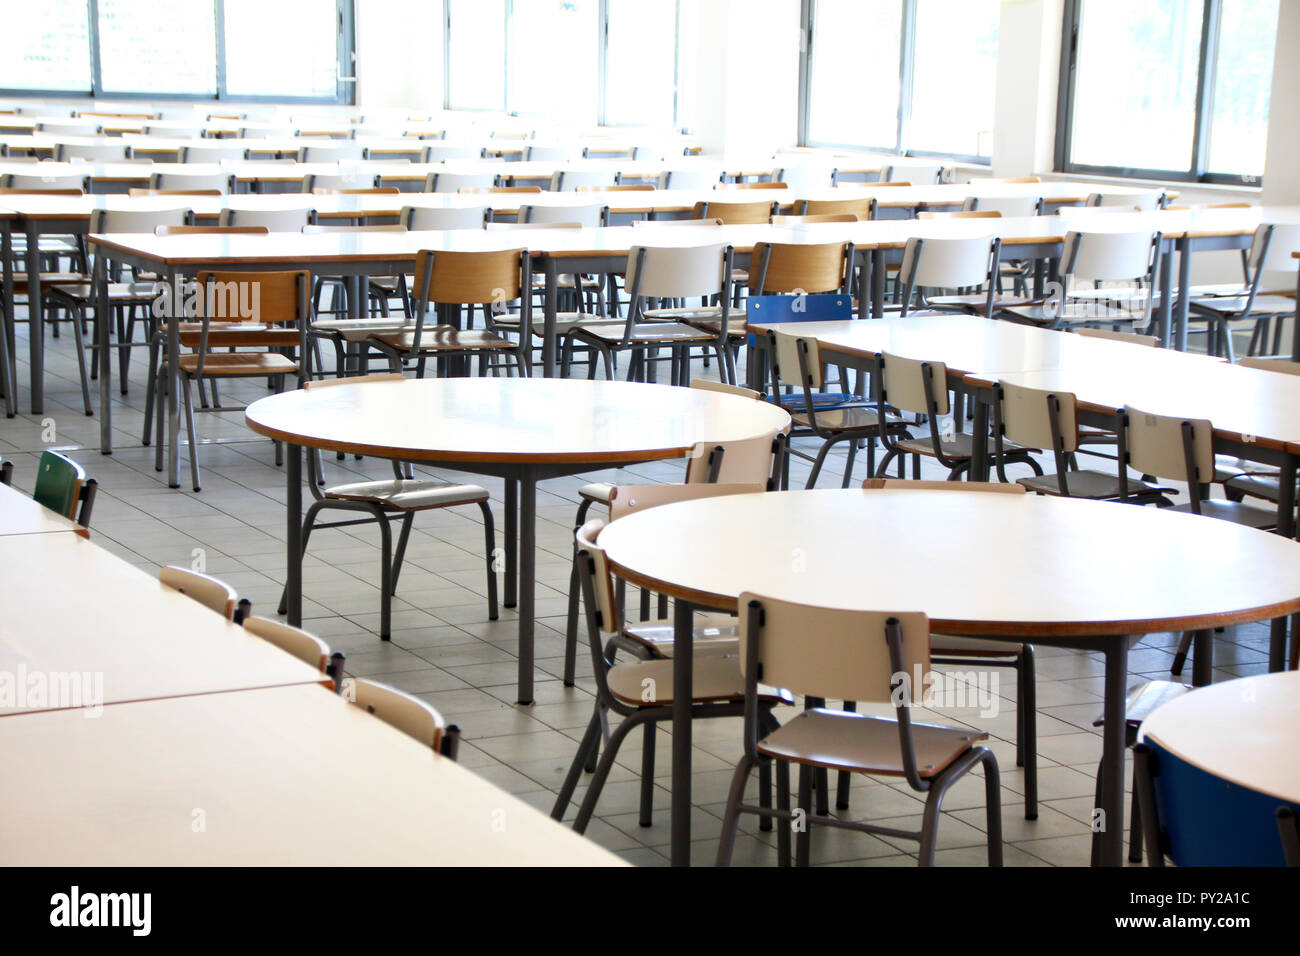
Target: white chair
{"x":212,"y":593}
{"x":333,"y":152}
{"x":191,"y":182}
{"x":43,"y":181}
{"x":1145,"y":201}
{"x":451,"y":182}
{"x":275,"y":220}
{"x":596,"y":214}
{"x":551,"y":154}
{"x":440,"y":152}
{"x":351,"y":180}
{"x":849,"y":655}
{"x":213,"y":153}
{"x":403,"y":712}
{"x":175,"y":132}
{"x":1006,"y":206}
{"x":568,"y":180}
{"x":930,"y":263}
{"x":84,"y":128}
{"x":1090,"y":262}
{"x":926,"y":174}
{"x":430,"y":218}
{"x":262,"y":132}
{"x":1269,"y":258}
{"x":689,"y":178}
{"x":308,"y":648}
{"x":91,"y":153}
{"x":804,"y":178}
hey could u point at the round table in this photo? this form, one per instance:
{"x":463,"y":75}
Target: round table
{"x":1057,"y":571}
{"x":1240,"y":732}
{"x":524,"y":430}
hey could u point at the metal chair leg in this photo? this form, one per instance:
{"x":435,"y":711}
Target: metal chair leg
{"x":647,"y":775}
{"x":603,"y":768}
{"x":589,"y":741}
{"x":731,"y":817}
{"x":489,"y":548}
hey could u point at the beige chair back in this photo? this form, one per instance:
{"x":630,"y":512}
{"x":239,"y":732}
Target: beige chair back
{"x":677,"y":272}
{"x":904,"y":384}
{"x":831,"y":653}
{"x":736,"y":213}
{"x":746,"y":461}
{"x":308,"y":648}
{"x":408,"y":714}
{"x":469,"y":277}
{"x":861,"y":206}
{"x":602,"y":581}
{"x":1285,"y":366}
{"x":1155,"y":445}
{"x":799,"y":267}
{"x":208,"y":591}
{"x":788,"y":345}
{"x":1027,"y":416}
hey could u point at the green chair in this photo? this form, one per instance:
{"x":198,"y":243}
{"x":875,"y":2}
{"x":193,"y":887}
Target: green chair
{"x":61,"y":484}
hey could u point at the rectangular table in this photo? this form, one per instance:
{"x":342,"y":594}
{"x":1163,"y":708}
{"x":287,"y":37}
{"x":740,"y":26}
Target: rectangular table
{"x":20,"y":515}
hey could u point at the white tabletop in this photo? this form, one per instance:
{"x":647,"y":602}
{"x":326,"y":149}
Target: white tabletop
{"x":19,"y":514}
{"x":288,"y":776}
{"x":1242,"y":730}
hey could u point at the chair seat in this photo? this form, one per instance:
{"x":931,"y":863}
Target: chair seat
{"x":239,"y":363}
{"x":1229,"y":306}
{"x":846,"y":418}
{"x":846,"y":741}
{"x":403,"y":494}
{"x":650,"y":333}
{"x":441,"y":338}
{"x":960,"y":446}
{"x":1263,"y":486}
{"x":950,"y":645}
{"x":118,"y":292}
{"x":976,"y":303}
{"x":1085,"y":483}
{"x":713,"y":634}
{"x":598,"y":492}
{"x":50,"y":279}
{"x":717,"y":679}
{"x":1238,"y":512}
{"x":1074,"y":313}
{"x":1144,"y":698}
{"x":358,"y":330}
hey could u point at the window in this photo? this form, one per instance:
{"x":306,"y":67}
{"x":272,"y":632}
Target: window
{"x":880,"y":74}
{"x":554,"y":60}
{"x":641,"y":63}
{"x":476,"y":55}
{"x":1167,"y":88}
{"x":47,"y":47}
{"x":290,"y":49}
{"x":287,"y":48}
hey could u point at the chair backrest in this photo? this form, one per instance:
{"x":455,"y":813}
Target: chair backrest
{"x":428,"y":218}
{"x":815,"y":218}
{"x":737,"y":213}
{"x":452,"y":182}
{"x":211,"y":230}
{"x":1168,"y":446}
{"x":48,"y":181}
{"x":470,"y":190}
{"x":551,"y":154}
{"x":308,"y":648}
{"x":674,"y":223}
{"x":1283,"y":240}
{"x":70,"y":129}
{"x":909,"y":484}
{"x":399,"y":710}
{"x":91,"y":153}
{"x":949,"y":264}
{"x":335,"y":151}
{"x":798,"y":358}
{"x":607,"y":618}
{"x":276,"y":220}
{"x":357,"y":179}
{"x":832,"y":653}
{"x":175,"y":132}
{"x":138,"y":220}
{"x":465,"y":278}
{"x":568,"y":180}
{"x":1285,"y":366}
{"x":672,"y":272}
{"x":1026,"y":416}
{"x":59,"y":481}
{"x":272,"y":298}
{"x":961,"y":214}
{"x":691,"y":178}
{"x":207,"y":590}
{"x":206,"y":153}
{"x":864,"y":207}
{"x":745,"y":461}
{"x":1133,"y":338}
{"x":1007,"y":206}
{"x":804,"y":177}
{"x":911,"y":385}
{"x":593,"y":215}
{"x":925,"y":174}
{"x":625,"y":499}
{"x":224,"y":182}
{"x":1145,"y":200}
{"x":135,"y":191}
{"x":781,"y":267}
{"x":439,"y":152}
{"x":1109,"y":256}
{"x":358,"y":191}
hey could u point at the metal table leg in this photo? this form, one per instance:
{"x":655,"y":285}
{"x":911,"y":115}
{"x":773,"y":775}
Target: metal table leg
{"x":1184,"y":288}
{"x":7,"y":358}
{"x":1110,"y":829}
{"x":527,"y":582}
{"x":36,"y":316}
{"x":550,"y":269}
{"x":683,"y":679}
{"x":1277,"y":637}
{"x":102,"y":354}
{"x":1166,"y":298}
{"x":173,"y":388}
{"x":293,"y":547}
{"x":511,"y":532}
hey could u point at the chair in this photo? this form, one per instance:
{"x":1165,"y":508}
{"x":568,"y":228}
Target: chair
{"x":62,"y":485}
{"x":640,"y":691}
{"x":952,"y":264}
{"x":1270,"y":253}
{"x":223,"y":182}
{"x":275,"y":220}
{"x":275,"y":327}
{"x":655,"y":273}
{"x":550,"y":154}
{"x":308,"y":648}
{"x":1049,"y":419}
{"x":432,"y":218}
{"x":334,"y":152}
{"x":345,"y":182}
{"x":214,"y":154}
{"x":441,"y":152}
{"x":804,"y":177}
{"x":135,"y":192}
{"x":1145,"y":201}
{"x":70,"y":129}
{"x":403,"y":712}
{"x":1089,"y":260}
{"x":212,"y":593}
{"x":819,"y":217}
{"x":691,"y":178}
{"x":920,"y":387}
{"x":454,"y":182}
{"x":448,"y":280}
{"x":864,"y":207}
{"x":46,"y":182}
{"x":849,"y":655}
{"x":211,"y":230}
{"x":1006,"y":206}
{"x":66,"y":152}
{"x":569,"y":180}
{"x":737,"y":213}
{"x":926,"y":174}
{"x":174,"y":132}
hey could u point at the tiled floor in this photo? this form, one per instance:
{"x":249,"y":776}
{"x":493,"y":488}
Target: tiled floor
{"x":446,"y":650}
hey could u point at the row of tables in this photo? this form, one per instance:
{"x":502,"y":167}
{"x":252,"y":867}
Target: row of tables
{"x":141,"y":728}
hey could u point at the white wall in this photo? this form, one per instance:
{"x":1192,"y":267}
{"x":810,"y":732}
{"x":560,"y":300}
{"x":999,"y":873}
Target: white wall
{"x":1029,"y":57}
{"x":399,"y":54}
{"x":1282,"y":160}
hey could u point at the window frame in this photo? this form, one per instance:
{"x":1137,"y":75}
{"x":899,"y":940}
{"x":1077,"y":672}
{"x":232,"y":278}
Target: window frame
{"x":345,"y":53}
{"x":1207,"y":69}
{"x":906,"y":69}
